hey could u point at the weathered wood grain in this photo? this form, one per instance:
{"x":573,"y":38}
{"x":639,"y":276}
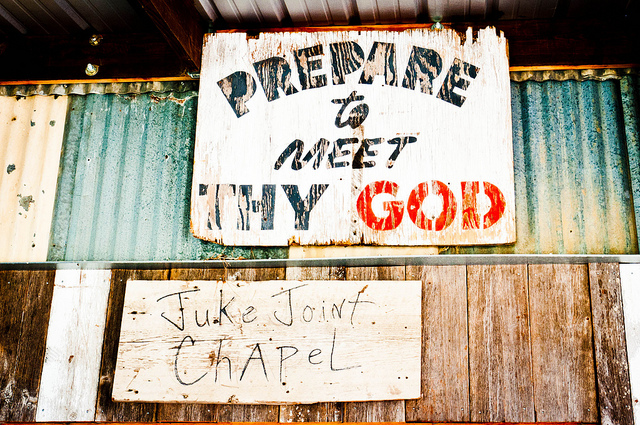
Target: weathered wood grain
{"x":501,"y":386}
{"x":364,"y":337}
{"x":240,"y":412}
{"x":25,"y":301}
{"x":283,"y":172}
{"x":106,"y":409}
{"x":181,"y":411}
{"x":375,"y":411}
{"x":612,"y":367}
{"x":445,"y":353}
{"x":317,"y":412}
{"x":71,"y":369}
{"x":630,"y":282}
{"x":561,"y":343}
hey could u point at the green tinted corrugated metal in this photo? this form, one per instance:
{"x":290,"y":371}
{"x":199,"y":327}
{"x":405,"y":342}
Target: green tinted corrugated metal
{"x":630,"y":94}
{"x":572,"y":177}
{"x":125,"y":182}
{"x":126,"y":175}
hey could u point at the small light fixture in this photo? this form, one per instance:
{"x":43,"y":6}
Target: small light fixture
{"x":91,"y":69}
{"x":95,"y":39}
{"x":437,"y":25}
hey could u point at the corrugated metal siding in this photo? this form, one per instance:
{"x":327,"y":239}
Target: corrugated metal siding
{"x":126,"y":175}
{"x":630,"y":96}
{"x":31,"y":132}
{"x":572,"y":175}
{"x":340,"y":12}
{"x":125,"y":181}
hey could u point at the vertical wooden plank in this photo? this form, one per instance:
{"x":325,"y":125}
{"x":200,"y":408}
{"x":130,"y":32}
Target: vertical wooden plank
{"x":242,"y":412}
{"x":501,"y":386}
{"x":106,"y":409}
{"x":71,"y":370}
{"x":561,"y":343}
{"x":612,"y":367}
{"x":445,"y":352}
{"x":25,"y":301}
{"x":375,"y":411}
{"x":630,"y":282}
{"x":180,"y":411}
{"x":319,"y":412}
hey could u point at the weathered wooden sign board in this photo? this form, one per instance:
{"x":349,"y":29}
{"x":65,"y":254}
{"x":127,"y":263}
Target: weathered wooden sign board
{"x":269,"y":342}
{"x":354,"y":137}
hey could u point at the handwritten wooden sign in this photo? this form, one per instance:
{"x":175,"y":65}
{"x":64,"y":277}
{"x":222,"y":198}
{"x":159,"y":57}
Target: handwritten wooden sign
{"x":354,"y":137}
{"x":269,"y":342}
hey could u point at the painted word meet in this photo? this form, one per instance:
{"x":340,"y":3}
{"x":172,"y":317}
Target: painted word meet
{"x":372,"y":137}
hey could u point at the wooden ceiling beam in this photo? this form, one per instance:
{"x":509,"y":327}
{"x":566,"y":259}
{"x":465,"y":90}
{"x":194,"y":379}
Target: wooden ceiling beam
{"x":181,"y":25}
{"x":64,"y":58}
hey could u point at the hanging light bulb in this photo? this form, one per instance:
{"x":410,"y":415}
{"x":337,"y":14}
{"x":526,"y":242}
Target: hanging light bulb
{"x":91,"y":69}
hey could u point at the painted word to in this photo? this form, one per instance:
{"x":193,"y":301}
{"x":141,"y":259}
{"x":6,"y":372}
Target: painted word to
{"x":269,"y":341}
{"x":274,"y":73}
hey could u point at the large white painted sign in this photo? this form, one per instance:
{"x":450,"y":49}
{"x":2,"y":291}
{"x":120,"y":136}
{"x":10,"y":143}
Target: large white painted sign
{"x":269,"y":342}
{"x":354,"y":137}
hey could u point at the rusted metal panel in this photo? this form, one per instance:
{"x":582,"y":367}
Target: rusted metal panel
{"x":630,"y":96}
{"x":572,"y":173}
{"x":315,"y":145}
{"x":31,"y":132}
{"x":125,"y":174}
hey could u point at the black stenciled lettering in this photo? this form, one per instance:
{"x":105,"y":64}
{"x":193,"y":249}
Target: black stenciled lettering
{"x":424,"y":66}
{"x":247,"y":205}
{"x":264,"y":369}
{"x":223,"y":310}
{"x":306,"y":64}
{"x":358,"y":113}
{"x":346,"y":57}
{"x":365,"y":152}
{"x":288,"y":322}
{"x":219,"y":360}
{"x":175,"y":362}
{"x":275,"y":74}
{"x":250,"y":310}
{"x":337,"y":152}
{"x":268,"y":206}
{"x":381,"y":61}
{"x":238,"y":89}
{"x":302,"y":208}
{"x":222,"y":191}
{"x":298,"y":162}
{"x":355,"y":303}
{"x":314,"y":353}
{"x":244,"y":205}
{"x":400,"y":143}
{"x":333,"y":349}
{"x":454,"y":80}
{"x":181,"y":308}
{"x":282,"y":358}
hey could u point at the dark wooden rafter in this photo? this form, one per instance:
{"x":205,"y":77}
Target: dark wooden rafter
{"x":181,"y":25}
{"x":176,"y":46}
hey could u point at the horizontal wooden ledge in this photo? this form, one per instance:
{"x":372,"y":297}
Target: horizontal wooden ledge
{"x":195,"y":78}
{"x":95,"y":81}
{"x":317,"y":423}
{"x":405,"y":260}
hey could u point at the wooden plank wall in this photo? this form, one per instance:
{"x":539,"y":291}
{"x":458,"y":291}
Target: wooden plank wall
{"x":501,"y":343}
